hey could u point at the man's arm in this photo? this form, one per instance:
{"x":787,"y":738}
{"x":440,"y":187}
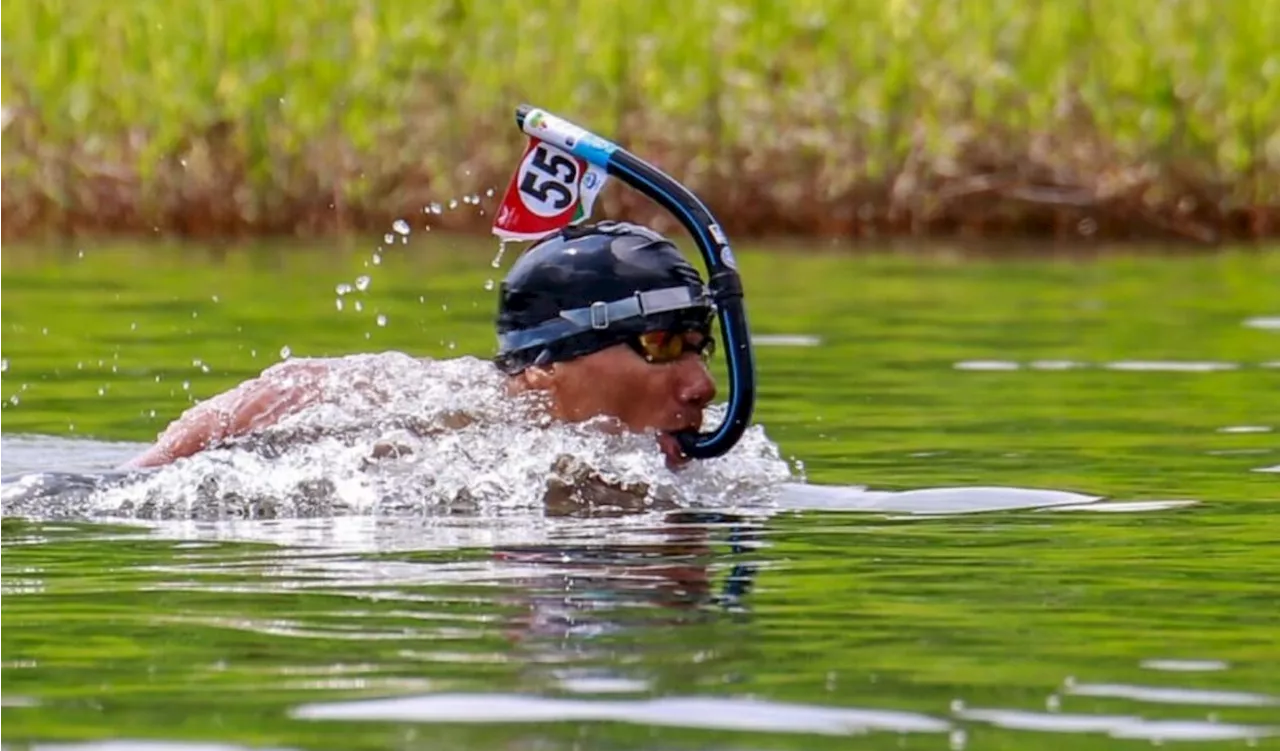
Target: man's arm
{"x":279,"y":391}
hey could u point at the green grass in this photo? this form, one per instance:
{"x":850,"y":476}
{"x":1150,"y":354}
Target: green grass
{"x":864,"y":117}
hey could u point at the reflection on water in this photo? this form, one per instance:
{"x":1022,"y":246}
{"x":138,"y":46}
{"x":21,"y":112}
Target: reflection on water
{"x":1072,"y":549}
{"x":832,"y":627}
{"x":1157,"y":366}
{"x":746,"y":715}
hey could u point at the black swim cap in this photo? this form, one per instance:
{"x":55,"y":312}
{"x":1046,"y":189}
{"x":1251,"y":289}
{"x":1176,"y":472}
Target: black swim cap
{"x":589,"y":287}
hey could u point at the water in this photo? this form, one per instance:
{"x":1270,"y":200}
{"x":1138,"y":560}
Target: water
{"x":1007,"y":503}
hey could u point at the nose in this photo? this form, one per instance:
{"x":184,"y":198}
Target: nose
{"x":697,"y":388}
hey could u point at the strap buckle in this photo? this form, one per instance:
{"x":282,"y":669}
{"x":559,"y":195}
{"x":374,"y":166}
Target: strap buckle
{"x":599,"y":315}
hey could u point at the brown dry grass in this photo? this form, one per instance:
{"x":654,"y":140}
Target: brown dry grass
{"x":994,"y":183}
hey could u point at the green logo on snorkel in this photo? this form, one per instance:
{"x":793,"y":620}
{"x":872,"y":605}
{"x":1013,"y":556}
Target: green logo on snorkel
{"x":538,"y":120}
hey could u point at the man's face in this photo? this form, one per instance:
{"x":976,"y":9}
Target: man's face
{"x":619,"y":382}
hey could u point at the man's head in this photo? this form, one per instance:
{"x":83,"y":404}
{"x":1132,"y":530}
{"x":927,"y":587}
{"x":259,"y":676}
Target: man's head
{"x":609,"y":319}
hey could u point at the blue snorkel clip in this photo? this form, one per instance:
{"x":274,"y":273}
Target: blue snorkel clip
{"x":722,"y":270}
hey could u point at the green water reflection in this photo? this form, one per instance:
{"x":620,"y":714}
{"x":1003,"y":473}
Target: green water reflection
{"x":122,"y":633}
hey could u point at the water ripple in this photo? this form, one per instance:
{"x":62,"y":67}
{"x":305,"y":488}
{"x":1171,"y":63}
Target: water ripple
{"x":1117,"y":726}
{"x":685,"y":712}
{"x":1174,"y":695}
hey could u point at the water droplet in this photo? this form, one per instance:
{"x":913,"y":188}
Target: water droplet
{"x":489,"y":192}
{"x":359,"y":305}
{"x":434,"y":208}
{"x":338,"y":302}
{"x":195,"y":314}
{"x":382,"y":320}
{"x":453,"y":203}
{"x":4,"y":364}
{"x":453,"y":345}
{"x":133,"y":326}
{"x":488,"y":284}
{"x":422,"y":299}
{"x":253,"y":353}
{"x":44,"y":331}
{"x":388,"y":238}
{"x":362,"y":283}
{"x":13,"y":399}
{"x":497,"y":259}
{"x":101,"y":391}
{"x":400,"y":226}
{"x":80,"y":254}
{"x":215,"y":299}
{"x":285,"y":352}
{"x":377,"y":260}
{"x":71,"y":426}
{"x":343,"y":288}
{"x":444,"y":306}
{"x":186,"y":385}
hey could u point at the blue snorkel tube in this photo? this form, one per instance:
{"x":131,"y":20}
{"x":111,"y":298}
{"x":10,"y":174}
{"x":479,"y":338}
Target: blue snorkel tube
{"x":722,"y":271}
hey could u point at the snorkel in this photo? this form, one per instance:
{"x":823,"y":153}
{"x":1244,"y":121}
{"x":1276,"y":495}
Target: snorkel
{"x":722,"y":273}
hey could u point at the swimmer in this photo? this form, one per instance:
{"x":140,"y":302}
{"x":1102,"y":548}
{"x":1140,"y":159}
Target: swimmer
{"x":605,"y":320}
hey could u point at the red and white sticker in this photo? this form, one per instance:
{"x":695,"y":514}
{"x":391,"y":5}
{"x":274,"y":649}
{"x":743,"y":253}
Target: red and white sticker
{"x":550,"y":190}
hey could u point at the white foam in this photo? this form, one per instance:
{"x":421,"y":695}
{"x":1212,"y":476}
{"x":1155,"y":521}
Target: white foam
{"x":447,"y":433}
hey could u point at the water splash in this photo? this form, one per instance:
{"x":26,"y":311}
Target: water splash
{"x":502,"y":249}
{"x":396,"y":435}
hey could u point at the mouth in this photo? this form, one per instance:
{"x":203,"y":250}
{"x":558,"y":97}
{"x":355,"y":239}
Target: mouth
{"x":671,"y":450}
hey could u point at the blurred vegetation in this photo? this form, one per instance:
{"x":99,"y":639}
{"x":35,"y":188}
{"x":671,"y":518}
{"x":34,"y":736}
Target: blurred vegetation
{"x":1149,"y":118}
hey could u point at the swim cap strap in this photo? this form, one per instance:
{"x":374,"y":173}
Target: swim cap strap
{"x":599,"y":316}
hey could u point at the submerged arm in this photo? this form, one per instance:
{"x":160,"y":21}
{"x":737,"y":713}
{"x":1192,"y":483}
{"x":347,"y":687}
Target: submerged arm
{"x":279,"y":391}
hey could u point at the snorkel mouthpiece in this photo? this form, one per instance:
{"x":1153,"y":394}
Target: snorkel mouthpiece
{"x":723,"y":281}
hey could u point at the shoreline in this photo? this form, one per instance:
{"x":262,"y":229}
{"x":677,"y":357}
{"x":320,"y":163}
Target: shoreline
{"x":111,"y":200}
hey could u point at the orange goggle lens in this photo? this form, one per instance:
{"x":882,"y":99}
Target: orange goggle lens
{"x":667,"y":346}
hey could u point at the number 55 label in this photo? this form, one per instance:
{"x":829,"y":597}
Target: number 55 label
{"x":548,"y":180}
{"x":550,"y":189}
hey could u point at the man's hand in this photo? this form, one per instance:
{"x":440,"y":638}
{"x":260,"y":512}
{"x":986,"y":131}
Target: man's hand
{"x":279,"y":391}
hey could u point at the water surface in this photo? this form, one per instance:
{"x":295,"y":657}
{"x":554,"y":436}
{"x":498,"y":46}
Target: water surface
{"x":882,"y":598}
